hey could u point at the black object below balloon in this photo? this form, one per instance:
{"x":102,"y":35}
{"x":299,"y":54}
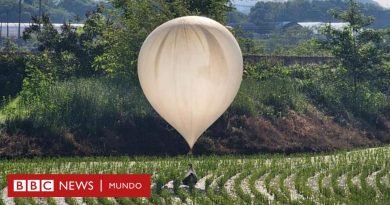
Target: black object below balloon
{"x":190,"y":179}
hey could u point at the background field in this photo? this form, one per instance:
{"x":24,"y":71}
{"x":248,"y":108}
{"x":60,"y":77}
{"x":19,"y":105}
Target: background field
{"x":357,"y":177}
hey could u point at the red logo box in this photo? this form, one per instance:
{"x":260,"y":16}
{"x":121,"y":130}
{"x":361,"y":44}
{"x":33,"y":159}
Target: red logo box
{"x":79,"y":185}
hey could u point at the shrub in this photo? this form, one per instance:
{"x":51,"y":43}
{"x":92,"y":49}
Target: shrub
{"x":12,"y":73}
{"x":83,"y":105}
{"x":270,"y":97}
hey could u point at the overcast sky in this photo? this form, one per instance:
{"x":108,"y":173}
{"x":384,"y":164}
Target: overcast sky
{"x":384,"y":3}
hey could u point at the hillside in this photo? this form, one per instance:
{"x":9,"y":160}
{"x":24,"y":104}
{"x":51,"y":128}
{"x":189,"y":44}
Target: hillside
{"x":311,"y":11}
{"x":58,"y":10}
{"x":245,"y":5}
{"x":101,"y":117}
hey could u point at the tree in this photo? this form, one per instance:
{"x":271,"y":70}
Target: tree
{"x":12,"y":72}
{"x":135,"y":19}
{"x":361,"y":51}
{"x":9,"y":46}
{"x":75,"y":47}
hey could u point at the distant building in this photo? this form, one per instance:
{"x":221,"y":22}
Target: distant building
{"x":315,"y":26}
{"x":14,"y":27}
{"x":266,"y":27}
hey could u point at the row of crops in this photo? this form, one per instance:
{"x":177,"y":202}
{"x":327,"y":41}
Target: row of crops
{"x":357,"y":177}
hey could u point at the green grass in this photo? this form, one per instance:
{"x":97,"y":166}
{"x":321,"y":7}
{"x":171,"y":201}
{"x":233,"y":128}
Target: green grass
{"x":11,"y":108}
{"x":84,"y":105}
{"x":163,"y":169}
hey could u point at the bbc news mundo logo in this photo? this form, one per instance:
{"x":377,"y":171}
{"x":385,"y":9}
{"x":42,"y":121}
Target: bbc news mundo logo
{"x":33,"y":186}
{"x":78,"y":185}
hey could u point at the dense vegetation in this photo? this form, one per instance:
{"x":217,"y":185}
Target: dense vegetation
{"x":358,"y":177}
{"x":79,"y":95}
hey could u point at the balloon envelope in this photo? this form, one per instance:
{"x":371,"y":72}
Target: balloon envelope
{"x":190,"y":70}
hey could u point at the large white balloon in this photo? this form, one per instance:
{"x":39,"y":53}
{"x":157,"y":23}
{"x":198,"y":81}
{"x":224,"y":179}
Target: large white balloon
{"x":190,"y":70}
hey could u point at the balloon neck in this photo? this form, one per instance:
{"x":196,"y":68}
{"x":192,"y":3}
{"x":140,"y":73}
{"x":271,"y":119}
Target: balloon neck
{"x":190,"y":152}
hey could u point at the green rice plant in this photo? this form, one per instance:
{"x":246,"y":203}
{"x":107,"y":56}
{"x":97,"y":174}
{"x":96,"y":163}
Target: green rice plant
{"x":258,"y":196}
{"x":275,"y":169}
{"x":32,"y":201}
{"x":284,"y":192}
{"x":90,"y":201}
{"x":51,"y":201}
{"x":300,"y":181}
{"x":367,"y":190}
{"x":71,"y":201}
{"x":239,"y":191}
{"x":105,"y":201}
{"x":20,"y":201}
{"x":384,"y":190}
{"x":325,"y":191}
{"x":354,"y":191}
{"x":339,"y":193}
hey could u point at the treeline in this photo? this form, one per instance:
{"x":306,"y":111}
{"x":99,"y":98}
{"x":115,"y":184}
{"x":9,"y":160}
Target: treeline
{"x":58,"y":10}
{"x":316,"y":10}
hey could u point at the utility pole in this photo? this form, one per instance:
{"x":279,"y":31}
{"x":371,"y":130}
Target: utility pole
{"x":7,"y":24}
{"x":20,"y":17}
{"x":1,"y":32}
{"x":40,"y":8}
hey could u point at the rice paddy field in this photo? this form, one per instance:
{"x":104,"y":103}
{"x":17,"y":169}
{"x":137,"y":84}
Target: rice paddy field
{"x":355,"y":177}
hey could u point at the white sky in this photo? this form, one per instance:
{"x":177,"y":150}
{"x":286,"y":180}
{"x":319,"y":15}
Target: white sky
{"x":384,"y":3}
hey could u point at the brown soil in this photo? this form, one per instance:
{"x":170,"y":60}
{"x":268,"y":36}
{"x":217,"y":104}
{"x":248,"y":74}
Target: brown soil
{"x":310,"y":132}
{"x":313,"y":132}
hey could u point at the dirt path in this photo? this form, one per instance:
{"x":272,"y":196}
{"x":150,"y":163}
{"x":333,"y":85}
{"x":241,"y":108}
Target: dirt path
{"x":201,"y":184}
{"x":229,"y":186}
{"x":385,"y":181}
{"x":356,"y":181}
{"x":245,"y":187}
{"x":60,"y":201}
{"x":371,"y":181}
{"x":327,"y":182}
{"x":42,"y":201}
{"x":313,"y":183}
{"x":80,"y":201}
{"x":7,"y":200}
{"x":342,"y":182}
{"x":261,"y":188}
{"x":214,"y":184}
{"x":290,"y":184}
